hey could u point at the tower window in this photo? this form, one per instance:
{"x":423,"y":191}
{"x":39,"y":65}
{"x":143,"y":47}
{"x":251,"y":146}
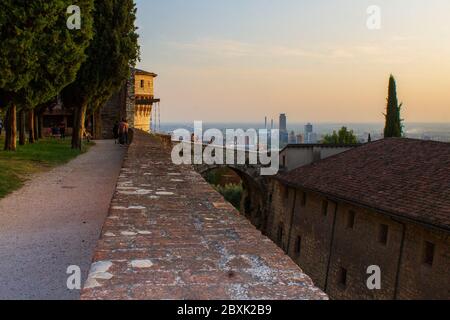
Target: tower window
{"x":383,"y":234}
{"x":351,"y":219}
{"x":286,"y":197}
{"x":286,"y":193}
{"x":325,"y":207}
{"x":428,"y":254}
{"x":142,"y":83}
{"x":280,"y":234}
{"x":298,"y":246}
{"x":342,"y":277}
{"x":303,"y":199}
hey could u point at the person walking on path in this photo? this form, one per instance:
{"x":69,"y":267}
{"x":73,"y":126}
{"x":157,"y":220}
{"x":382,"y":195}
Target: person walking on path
{"x":123,"y":132}
{"x":62,"y":130}
{"x":116,"y":132}
{"x":126,"y":131}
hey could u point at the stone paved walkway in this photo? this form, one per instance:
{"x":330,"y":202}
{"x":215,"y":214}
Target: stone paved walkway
{"x":55,"y":221}
{"x":169,"y":235}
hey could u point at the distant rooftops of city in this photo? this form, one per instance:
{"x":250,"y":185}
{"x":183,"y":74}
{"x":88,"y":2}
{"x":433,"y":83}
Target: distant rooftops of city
{"x":406,"y":178}
{"x":321,"y":145}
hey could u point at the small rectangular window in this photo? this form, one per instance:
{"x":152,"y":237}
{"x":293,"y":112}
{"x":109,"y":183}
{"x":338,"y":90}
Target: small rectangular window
{"x":303,"y":199}
{"x":343,"y":277}
{"x":298,"y":246}
{"x":383,"y":233}
{"x":351,"y":219}
{"x":286,"y":198}
{"x":286,"y":193}
{"x":428,"y":254}
{"x":142,"y":83}
{"x":325,"y":207}
{"x":280,"y":235}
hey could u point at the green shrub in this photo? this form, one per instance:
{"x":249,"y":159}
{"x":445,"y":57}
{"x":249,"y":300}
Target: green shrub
{"x":232,"y":193}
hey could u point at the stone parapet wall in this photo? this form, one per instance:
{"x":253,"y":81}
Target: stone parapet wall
{"x":170,"y":235}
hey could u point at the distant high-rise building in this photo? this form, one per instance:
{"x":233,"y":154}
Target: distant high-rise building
{"x":284,"y":135}
{"x":310,"y":136}
{"x":309,"y":128}
{"x":283,"y":122}
{"x":300,"y":139}
{"x":292,"y":138}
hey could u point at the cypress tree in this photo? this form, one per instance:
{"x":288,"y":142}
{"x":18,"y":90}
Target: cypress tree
{"x":393,"y":127}
{"x":39,"y":55}
{"x":113,"y":50}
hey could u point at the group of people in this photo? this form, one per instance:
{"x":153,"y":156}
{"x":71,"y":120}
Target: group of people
{"x":121,"y":132}
{"x":58,"y":130}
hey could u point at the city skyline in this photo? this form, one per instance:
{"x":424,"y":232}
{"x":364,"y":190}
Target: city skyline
{"x":234,"y":61}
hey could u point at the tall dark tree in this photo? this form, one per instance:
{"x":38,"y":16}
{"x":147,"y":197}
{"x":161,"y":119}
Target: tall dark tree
{"x":39,"y":55}
{"x":393,"y":127}
{"x":113,"y":50}
{"x":17,"y":57}
{"x":21,"y":124}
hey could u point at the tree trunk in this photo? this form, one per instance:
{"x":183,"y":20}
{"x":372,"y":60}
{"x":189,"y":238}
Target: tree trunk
{"x":97,"y":125}
{"x":40,"y":125}
{"x":35,"y":127}
{"x":22,"y":127}
{"x":79,"y":118}
{"x":11,"y":129}
{"x":31,"y":136}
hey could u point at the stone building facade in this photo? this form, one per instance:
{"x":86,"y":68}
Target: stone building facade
{"x":297,"y":155}
{"x":384,"y":204}
{"x":144,"y":99}
{"x":134,"y":102}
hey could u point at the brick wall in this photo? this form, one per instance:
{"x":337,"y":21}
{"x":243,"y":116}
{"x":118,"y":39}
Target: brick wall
{"x":356,"y":248}
{"x":335,"y":242}
{"x":130,"y":100}
{"x":113,"y":111}
{"x":308,"y":224}
{"x":180,"y":239}
{"x":418,"y":280}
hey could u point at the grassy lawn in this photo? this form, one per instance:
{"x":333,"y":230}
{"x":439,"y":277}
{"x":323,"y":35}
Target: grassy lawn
{"x":16,"y":167}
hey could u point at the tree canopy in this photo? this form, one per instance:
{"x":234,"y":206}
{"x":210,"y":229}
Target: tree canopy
{"x":39,"y":55}
{"x":113,"y":50}
{"x":343,"y":136}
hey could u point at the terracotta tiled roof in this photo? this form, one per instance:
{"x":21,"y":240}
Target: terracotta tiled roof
{"x":143,"y":72}
{"x":404,"y":177}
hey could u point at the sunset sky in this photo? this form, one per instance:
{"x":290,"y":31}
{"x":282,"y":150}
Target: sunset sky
{"x":239,"y":60}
